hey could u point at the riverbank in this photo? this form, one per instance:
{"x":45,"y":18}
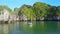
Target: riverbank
{"x":7,"y":22}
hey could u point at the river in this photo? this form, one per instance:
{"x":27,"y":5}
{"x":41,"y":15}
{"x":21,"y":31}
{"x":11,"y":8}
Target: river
{"x":28,"y":27}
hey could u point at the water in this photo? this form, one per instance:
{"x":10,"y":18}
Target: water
{"x":34,"y":27}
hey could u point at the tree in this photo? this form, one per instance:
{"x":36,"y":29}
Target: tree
{"x":27,"y":10}
{"x":41,"y":9}
{"x":58,"y":11}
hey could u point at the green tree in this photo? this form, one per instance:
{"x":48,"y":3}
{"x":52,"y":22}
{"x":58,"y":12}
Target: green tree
{"x":52,"y":11}
{"x":6,"y":7}
{"x":27,"y":10}
{"x":58,"y":11}
{"x":41,"y":9}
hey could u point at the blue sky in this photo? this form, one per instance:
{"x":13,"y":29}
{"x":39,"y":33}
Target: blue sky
{"x":18,"y":3}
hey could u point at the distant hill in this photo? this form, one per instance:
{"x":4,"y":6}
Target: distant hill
{"x":39,"y":11}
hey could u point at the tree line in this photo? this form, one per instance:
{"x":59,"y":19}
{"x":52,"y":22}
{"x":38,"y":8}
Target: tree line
{"x":37,"y":11}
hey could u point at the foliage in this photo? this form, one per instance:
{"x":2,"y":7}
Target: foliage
{"x":38,"y":10}
{"x":5,"y":7}
{"x":41,"y":9}
{"x":58,"y":11}
{"x":27,"y":10}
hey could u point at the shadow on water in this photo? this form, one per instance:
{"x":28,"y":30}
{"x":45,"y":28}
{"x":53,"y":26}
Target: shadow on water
{"x":28,"y":27}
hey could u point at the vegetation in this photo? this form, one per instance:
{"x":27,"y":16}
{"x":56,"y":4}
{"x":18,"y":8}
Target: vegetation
{"x":5,"y":7}
{"x":40,"y":10}
{"x":58,"y":11}
{"x":28,"y":11}
{"x":37,"y":11}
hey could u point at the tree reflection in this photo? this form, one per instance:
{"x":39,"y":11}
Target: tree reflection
{"x":31,"y":27}
{"x":58,"y":25}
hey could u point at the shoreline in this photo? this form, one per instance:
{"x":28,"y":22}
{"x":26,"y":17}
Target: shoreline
{"x":7,"y":22}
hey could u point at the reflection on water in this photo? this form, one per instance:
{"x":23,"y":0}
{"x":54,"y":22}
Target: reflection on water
{"x":34,"y":27}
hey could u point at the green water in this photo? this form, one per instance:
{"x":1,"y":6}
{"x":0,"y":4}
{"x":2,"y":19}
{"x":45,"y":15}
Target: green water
{"x":34,"y":27}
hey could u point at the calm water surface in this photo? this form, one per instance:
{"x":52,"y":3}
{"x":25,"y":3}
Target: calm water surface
{"x":34,"y":27}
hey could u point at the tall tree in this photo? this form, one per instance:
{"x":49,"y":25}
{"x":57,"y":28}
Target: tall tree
{"x":41,"y":9}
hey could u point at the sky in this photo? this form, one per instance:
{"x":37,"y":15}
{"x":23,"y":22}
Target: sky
{"x":18,"y":3}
